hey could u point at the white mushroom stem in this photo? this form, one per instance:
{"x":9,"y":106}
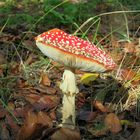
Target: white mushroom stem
{"x":69,"y":88}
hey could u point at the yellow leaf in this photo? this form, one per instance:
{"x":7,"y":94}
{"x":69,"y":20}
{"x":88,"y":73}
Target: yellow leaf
{"x":88,"y":77}
{"x":126,"y":122}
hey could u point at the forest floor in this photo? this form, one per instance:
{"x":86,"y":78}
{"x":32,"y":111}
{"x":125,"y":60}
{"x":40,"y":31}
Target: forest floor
{"x":107,"y":106}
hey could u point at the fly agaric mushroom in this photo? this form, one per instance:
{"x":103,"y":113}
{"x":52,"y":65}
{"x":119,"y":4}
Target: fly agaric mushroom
{"x":73,"y":53}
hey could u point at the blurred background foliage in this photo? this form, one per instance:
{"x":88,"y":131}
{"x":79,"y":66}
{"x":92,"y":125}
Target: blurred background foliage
{"x":30,"y":13}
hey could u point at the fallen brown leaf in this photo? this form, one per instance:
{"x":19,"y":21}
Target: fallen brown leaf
{"x":46,"y":89}
{"x":66,"y":134}
{"x":32,"y":98}
{"x":127,"y":74}
{"x":34,"y":125}
{"x":29,"y":126}
{"x":21,"y":112}
{"x":40,"y":106}
{"x":56,"y":64}
{"x":52,"y":115}
{"x":35,"y":134}
{"x":44,"y":119}
{"x":81,"y":99}
{"x":112,"y":122}
{"x":46,"y":102}
{"x":99,"y":106}
{"x":87,"y":115}
{"x":10,"y":121}
{"x":80,"y":102}
{"x":45,"y":79}
{"x":50,"y":101}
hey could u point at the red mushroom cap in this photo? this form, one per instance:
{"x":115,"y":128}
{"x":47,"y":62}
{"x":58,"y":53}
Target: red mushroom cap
{"x":73,"y":51}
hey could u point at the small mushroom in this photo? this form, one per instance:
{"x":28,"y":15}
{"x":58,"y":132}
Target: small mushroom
{"x":73,"y":53}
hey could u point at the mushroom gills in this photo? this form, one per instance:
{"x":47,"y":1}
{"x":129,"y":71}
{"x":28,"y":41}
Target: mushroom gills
{"x":70,"y":60}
